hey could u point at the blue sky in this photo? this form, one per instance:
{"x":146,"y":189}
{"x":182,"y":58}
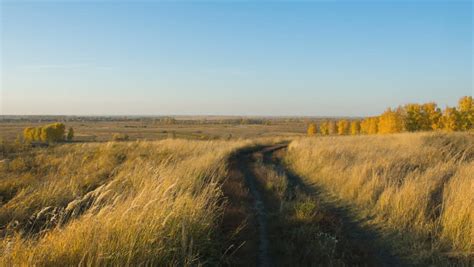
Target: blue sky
{"x":314,"y":58}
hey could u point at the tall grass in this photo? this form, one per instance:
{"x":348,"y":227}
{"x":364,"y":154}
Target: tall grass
{"x":296,"y":220}
{"x":151,"y":203}
{"x":420,"y":186}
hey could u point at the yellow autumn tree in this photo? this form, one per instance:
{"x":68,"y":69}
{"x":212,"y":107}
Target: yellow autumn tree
{"x":451,"y":120}
{"x":421,"y":117}
{"x":324,"y":128}
{"x":413,"y":117}
{"x":369,"y":125}
{"x":390,"y":122}
{"x":466,"y":113}
{"x":29,"y":134}
{"x":342,"y":127}
{"x":312,"y":129}
{"x":364,"y":126}
{"x":48,"y":133}
{"x":355,"y":127}
{"x":53,"y":132}
{"x":432,"y":116}
{"x":37,"y":133}
{"x":373,"y":125}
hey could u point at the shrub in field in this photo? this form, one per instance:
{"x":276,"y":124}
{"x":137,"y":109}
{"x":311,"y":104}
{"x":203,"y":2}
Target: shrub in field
{"x":120,"y":137}
{"x":70,"y":134}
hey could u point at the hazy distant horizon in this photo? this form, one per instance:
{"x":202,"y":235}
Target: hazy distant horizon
{"x":178,"y":117}
{"x":314,"y":59}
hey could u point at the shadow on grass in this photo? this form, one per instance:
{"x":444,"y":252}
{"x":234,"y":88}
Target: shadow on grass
{"x":356,"y":244}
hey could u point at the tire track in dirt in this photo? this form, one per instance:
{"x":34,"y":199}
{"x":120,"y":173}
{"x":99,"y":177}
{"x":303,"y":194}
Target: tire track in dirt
{"x":249,"y":244}
{"x":260,"y":213}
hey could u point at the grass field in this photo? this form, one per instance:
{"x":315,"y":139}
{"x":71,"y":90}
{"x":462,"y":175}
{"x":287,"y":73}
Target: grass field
{"x":403,"y":199}
{"x":148,"y":129}
{"x":418,"y":188}
{"x":154,"y":203}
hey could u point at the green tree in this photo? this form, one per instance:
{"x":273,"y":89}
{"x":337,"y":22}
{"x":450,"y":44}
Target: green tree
{"x":70,"y":134}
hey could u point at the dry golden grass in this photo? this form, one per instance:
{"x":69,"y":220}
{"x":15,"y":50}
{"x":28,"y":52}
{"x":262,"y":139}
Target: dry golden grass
{"x":161,"y":202}
{"x":296,"y":220}
{"x":420,"y":186}
{"x":129,"y":203}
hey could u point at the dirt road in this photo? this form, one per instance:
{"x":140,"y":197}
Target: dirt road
{"x":282,"y":220}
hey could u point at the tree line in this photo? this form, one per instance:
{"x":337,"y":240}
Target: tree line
{"x":407,"y":118}
{"x":51,"y":133}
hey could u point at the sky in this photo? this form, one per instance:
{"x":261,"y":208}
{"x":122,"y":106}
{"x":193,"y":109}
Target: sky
{"x":282,"y":58}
